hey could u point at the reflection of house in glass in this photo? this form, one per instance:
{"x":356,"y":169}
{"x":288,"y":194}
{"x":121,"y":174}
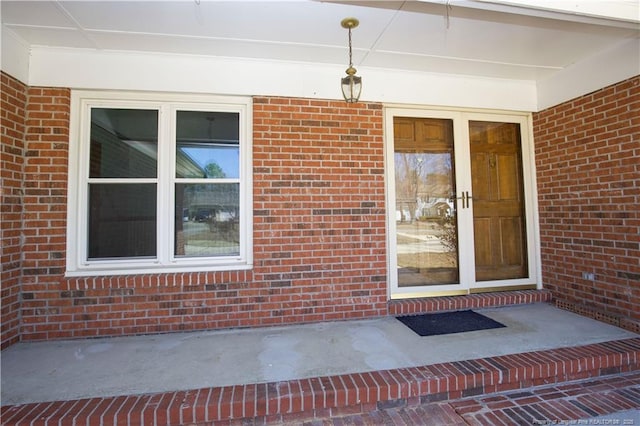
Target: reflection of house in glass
{"x":434,"y":208}
{"x":206,"y":213}
{"x":210,"y":202}
{"x":424,"y":209}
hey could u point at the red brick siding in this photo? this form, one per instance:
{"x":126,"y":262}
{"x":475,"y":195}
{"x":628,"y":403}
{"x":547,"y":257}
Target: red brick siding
{"x":319,"y":232}
{"x":45,"y":206}
{"x":319,"y":214}
{"x":319,"y":222}
{"x":12,"y":121}
{"x":587,"y":159}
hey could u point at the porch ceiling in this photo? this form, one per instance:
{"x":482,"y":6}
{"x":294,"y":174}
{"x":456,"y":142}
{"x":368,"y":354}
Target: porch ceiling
{"x":515,"y":39}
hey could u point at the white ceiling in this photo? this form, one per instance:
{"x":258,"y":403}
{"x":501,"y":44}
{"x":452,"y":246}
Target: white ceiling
{"x":513,"y":40}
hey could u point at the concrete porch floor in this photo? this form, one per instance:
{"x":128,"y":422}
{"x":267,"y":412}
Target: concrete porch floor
{"x":106,"y":367}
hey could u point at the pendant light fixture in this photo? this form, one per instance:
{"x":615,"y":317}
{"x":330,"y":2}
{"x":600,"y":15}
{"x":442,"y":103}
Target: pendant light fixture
{"x":351,"y":84}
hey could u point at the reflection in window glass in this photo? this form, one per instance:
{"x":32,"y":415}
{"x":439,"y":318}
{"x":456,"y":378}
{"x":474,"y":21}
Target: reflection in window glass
{"x":207,"y":220}
{"x":426,"y":217}
{"x":207,"y":145}
{"x":124,"y":143}
{"x":122,"y":220}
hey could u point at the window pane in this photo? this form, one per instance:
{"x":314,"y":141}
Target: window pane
{"x":207,"y":220}
{"x":207,"y":145}
{"x":124,"y":143}
{"x":122,"y":220}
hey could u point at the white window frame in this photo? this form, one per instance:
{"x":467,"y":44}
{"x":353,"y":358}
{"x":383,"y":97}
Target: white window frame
{"x":82,"y":101}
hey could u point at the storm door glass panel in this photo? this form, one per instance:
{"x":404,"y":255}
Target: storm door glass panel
{"x":426,"y":221}
{"x":122,"y":185}
{"x":207,"y":195}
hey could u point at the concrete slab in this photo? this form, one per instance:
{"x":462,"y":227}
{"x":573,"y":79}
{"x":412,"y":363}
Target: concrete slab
{"x":73,"y":369}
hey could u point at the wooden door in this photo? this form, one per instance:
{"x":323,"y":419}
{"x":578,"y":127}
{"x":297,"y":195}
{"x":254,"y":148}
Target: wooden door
{"x":498,"y":201}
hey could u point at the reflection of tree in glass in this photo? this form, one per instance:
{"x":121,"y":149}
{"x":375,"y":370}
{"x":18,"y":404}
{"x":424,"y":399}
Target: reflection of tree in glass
{"x":213,"y":170}
{"x":425,"y":175}
{"x":449,"y":236}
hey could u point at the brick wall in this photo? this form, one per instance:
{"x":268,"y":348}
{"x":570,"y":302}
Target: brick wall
{"x":44,"y":206}
{"x":587,"y":159}
{"x":12,"y":122}
{"x":319,"y":232}
{"x":319,"y":221}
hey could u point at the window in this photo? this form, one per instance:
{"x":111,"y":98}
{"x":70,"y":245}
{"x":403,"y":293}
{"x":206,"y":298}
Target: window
{"x":158,"y":183}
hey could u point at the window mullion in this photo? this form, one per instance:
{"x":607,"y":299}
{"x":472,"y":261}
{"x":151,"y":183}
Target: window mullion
{"x":83,"y":188}
{"x":165,"y":183}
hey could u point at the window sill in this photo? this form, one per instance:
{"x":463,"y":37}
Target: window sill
{"x":93,"y":272}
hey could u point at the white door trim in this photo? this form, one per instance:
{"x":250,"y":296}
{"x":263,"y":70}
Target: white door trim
{"x":460,"y":119}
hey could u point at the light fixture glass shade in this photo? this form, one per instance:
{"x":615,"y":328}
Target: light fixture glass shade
{"x":351,"y":88}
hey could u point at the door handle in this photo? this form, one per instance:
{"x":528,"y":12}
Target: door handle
{"x":453,"y":198}
{"x":464,"y":196}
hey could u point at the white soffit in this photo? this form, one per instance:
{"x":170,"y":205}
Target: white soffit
{"x":622,"y":10}
{"x":515,"y":40}
{"x":609,"y":67}
{"x":236,"y":76}
{"x":14,"y":58}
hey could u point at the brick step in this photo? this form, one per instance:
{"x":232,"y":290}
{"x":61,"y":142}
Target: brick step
{"x":469,"y":301}
{"x":348,"y":394}
{"x":617,"y":397}
{"x":547,"y":404}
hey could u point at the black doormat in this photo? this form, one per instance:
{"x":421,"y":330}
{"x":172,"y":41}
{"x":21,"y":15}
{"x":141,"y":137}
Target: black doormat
{"x":448,"y":323}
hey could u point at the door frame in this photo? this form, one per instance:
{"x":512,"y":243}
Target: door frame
{"x":461,"y":117}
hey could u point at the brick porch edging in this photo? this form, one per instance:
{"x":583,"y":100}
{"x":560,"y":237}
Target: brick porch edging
{"x":321,"y":397}
{"x":600,"y":315}
{"x":470,"y":301}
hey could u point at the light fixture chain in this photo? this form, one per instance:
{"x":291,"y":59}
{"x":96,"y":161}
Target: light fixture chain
{"x":350,"y":55}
